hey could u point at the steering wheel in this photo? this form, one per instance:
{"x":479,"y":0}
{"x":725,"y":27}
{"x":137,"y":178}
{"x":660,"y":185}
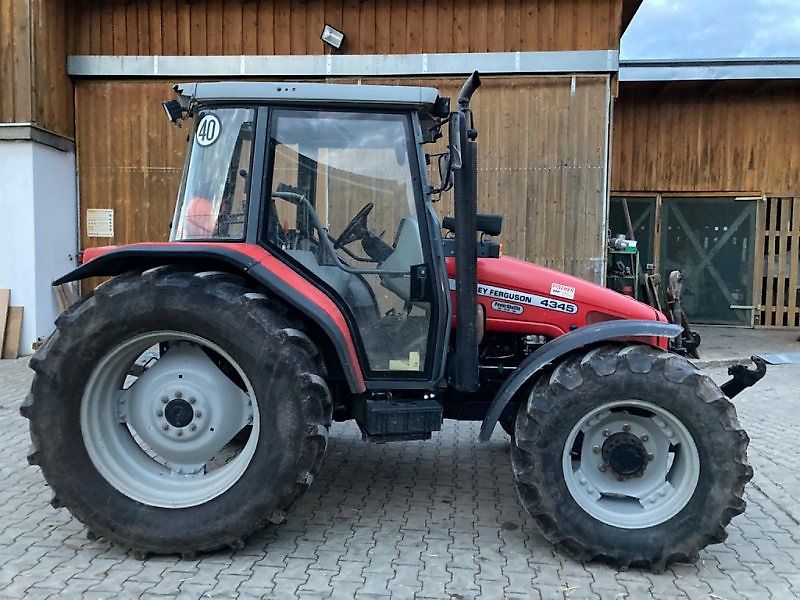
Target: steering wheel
{"x":355,"y":228}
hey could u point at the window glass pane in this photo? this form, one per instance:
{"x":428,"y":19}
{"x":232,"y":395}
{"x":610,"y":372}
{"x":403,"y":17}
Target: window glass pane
{"x":343,"y":206}
{"x":214,"y":194}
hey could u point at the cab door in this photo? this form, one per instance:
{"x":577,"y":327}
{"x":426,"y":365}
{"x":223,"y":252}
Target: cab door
{"x":346,"y":206}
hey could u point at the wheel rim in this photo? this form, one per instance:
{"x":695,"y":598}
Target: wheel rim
{"x":168,"y":438}
{"x":631,"y":464}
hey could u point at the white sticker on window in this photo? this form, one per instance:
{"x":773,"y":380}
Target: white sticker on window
{"x":208,"y":130}
{"x":562,"y":291}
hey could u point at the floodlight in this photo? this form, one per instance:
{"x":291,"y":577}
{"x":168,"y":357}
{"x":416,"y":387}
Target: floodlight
{"x":332,"y":36}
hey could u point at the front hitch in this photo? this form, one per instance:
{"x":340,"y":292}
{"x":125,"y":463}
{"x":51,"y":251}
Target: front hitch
{"x":743,"y":378}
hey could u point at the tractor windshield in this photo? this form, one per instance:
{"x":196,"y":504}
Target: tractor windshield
{"x":212,"y":203}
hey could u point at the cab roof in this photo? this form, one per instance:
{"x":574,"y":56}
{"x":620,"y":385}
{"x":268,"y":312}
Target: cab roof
{"x":339,"y":94}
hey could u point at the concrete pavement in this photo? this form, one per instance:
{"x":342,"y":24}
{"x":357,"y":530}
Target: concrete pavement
{"x":437,"y":519}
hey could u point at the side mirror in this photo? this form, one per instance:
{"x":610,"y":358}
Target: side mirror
{"x":445,"y":172}
{"x":174,"y":111}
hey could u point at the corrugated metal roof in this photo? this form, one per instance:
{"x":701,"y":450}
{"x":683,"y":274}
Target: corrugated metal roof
{"x":709,"y":69}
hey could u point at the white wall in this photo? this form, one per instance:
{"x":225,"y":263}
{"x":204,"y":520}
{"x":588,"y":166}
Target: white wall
{"x":38,"y":230}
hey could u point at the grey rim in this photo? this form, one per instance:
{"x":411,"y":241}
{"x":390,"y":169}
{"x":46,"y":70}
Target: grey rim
{"x":626,"y":492}
{"x":168,"y":437}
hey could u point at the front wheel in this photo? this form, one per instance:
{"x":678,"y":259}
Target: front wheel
{"x":630,"y":455}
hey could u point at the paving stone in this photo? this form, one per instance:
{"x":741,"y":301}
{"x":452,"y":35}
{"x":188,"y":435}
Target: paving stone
{"x":423,"y":520}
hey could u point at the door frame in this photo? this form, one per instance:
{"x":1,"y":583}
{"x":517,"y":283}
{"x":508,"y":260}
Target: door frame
{"x":439,"y":325}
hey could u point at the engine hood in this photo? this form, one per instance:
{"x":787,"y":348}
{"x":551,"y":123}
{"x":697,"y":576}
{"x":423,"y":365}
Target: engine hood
{"x":524,"y":297}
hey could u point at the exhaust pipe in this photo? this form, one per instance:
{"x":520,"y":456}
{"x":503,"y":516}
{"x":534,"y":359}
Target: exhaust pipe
{"x":465,"y":374}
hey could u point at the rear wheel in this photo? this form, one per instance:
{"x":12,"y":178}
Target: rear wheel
{"x":630,"y":455}
{"x":175,"y":412}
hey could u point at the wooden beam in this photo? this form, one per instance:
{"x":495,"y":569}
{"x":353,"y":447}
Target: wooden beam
{"x":4,"y":297}
{"x":629,"y":8}
{"x":13,"y":330}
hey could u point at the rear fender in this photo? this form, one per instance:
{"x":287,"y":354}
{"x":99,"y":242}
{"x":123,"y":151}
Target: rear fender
{"x":563,"y":345}
{"x":251,"y":261}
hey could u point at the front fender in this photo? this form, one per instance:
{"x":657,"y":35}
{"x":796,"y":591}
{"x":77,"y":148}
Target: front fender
{"x":559,"y":347}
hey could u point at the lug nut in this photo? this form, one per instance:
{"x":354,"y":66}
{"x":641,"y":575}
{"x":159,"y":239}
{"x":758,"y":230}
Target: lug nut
{"x":164,"y":399}
{"x":602,"y":468}
{"x":596,"y":449}
{"x":178,"y":394}
{"x":645,"y":437}
{"x":649,"y":456}
{"x":193,"y":427}
{"x":620,"y":478}
{"x":179,"y":433}
{"x":606,"y":433}
{"x":159,"y":413}
{"x":626,"y":427}
{"x":198,"y":414}
{"x":192,"y":400}
{"x":165,"y":427}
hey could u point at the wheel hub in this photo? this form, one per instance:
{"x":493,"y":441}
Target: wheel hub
{"x":167,"y":438}
{"x":178,"y":412}
{"x":625,"y":454}
{"x":185,"y":410}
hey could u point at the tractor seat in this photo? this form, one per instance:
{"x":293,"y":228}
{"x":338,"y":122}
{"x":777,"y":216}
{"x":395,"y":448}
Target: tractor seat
{"x":352,"y":288}
{"x":406,"y":253}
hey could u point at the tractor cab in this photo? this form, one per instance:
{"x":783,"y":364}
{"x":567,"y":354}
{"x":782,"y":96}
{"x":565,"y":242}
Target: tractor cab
{"x":339,"y":191}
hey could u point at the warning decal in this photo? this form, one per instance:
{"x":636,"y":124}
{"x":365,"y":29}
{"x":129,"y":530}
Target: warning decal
{"x":562,"y":291}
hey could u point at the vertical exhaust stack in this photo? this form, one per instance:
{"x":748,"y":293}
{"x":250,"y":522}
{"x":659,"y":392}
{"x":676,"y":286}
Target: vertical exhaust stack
{"x":465,"y":373}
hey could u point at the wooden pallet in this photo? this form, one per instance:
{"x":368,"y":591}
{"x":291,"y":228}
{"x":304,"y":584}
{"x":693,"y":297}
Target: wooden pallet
{"x":10,"y":326}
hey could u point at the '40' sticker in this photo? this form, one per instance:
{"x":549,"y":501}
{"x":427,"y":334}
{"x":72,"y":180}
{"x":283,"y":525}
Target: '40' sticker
{"x":208,"y":130}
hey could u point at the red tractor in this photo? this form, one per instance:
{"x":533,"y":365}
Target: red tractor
{"x":186,"y":401}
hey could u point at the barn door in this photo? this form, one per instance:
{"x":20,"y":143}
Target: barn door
{"x":712,"y":242}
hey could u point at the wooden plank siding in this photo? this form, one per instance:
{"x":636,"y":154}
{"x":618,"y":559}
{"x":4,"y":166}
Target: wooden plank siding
{"x":132,"y":165}
{"x":542,"y":161}
{"x":183,"y":27}
{"x":733,"y":138}
{"x":34,"y":87}
{"x":708,"y":137}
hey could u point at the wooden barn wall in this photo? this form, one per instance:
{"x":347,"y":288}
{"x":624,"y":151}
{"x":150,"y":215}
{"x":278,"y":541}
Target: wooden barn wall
{"x":214,"y":27}
{"x":542,"y":162}
{"x":708,"y":137}
{"x":34,"y":87}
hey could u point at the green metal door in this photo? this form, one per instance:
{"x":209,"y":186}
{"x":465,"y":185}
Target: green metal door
{"x":711,"y":241}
